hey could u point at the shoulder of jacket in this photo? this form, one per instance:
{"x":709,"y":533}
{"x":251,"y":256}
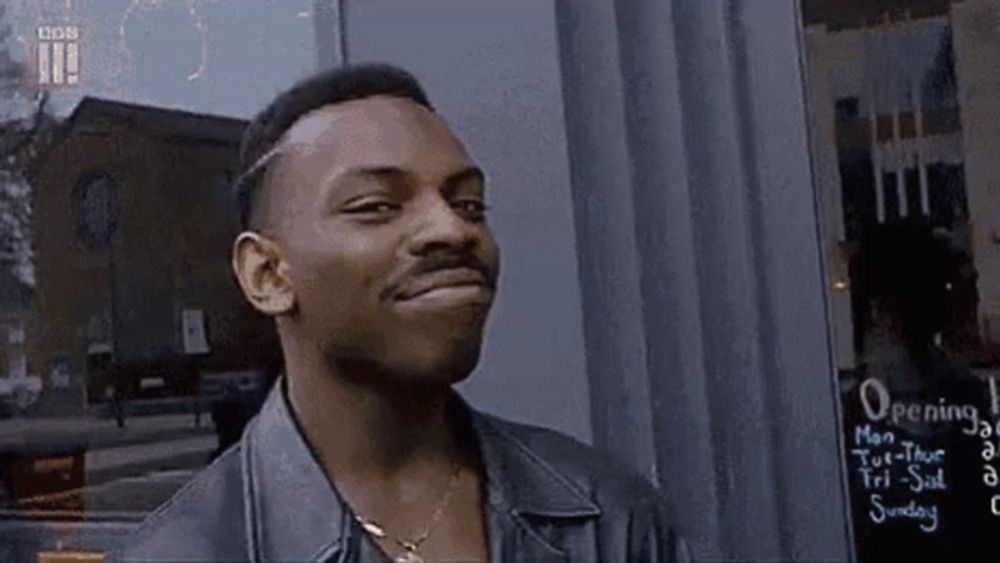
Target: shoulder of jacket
{"x":611,"y":484}
{"x":203,"y":521}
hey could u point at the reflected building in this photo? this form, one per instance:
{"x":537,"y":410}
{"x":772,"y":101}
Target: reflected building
{"x":133,"y":225}
{"x":902,"y":114}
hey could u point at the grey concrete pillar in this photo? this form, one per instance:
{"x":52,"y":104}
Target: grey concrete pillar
{"x":686,"y":123}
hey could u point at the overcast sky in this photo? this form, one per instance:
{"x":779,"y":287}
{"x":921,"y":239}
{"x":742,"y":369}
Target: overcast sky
{"x":214,"y":56}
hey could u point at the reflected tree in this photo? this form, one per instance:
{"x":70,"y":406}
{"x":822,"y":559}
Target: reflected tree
{"x":25,"y":127}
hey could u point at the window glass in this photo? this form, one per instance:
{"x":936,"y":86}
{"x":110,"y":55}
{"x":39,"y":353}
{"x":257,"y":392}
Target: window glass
{"x":904,"y":112}
{"x":128,"y":358}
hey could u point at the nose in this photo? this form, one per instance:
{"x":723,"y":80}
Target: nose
{"x":441,"y":227}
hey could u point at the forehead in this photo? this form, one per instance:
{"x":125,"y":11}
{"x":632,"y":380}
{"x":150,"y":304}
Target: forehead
{"x":371,"y":132}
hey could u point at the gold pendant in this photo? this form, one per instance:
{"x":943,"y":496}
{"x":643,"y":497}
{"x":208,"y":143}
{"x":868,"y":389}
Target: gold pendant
{"x":409,"y":557}
{"x":372,"y":528}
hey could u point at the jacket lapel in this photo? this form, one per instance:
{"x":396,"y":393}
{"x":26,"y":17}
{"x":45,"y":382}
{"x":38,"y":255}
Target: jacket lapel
{"x":528,"y":499}
{"x":514,"y":540}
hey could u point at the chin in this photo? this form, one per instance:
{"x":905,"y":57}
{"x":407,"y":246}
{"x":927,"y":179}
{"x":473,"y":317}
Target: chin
{"x":441,"y":362}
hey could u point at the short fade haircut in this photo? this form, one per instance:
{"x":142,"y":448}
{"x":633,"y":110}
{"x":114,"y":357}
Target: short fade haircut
{"x":334,"y":86}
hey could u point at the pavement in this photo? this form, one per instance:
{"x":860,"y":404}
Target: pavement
{"x":128,"y":473}
{"x":124,"y":467}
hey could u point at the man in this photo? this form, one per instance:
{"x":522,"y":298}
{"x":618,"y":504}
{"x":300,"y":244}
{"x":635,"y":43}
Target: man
{"x":366,"y":239}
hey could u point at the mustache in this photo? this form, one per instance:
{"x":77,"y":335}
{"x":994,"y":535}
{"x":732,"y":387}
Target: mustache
{"x":437,"y":263}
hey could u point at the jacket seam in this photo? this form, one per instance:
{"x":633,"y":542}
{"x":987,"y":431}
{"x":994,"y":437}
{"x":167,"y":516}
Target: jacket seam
{"x":249,"y":498}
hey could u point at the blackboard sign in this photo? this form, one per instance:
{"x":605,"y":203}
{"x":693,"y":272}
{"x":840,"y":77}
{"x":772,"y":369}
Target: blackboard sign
{"x":923,"y":468}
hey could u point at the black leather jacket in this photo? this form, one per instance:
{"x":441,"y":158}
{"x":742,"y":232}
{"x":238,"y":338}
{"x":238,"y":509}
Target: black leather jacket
{"x":549,"y":498}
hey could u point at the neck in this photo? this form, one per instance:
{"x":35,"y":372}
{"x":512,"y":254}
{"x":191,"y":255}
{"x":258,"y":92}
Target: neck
{"x":361,"y":426}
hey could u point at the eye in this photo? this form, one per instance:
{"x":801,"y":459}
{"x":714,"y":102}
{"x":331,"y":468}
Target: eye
{"x":372,"y":207}
{"x":474,"y":207}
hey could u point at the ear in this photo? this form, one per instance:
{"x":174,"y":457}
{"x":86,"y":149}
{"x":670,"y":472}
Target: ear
{"x":262,"y":274}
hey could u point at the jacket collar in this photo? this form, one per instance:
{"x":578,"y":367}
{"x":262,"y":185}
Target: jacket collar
{"x":293,"y":512}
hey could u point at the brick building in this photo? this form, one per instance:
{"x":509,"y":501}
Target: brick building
{"x":133,"y":226}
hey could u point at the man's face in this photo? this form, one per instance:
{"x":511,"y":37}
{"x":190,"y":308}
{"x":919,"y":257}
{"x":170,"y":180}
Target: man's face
{"x":378,"y":212}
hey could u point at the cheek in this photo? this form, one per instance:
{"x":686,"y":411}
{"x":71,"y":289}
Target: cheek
{"x":348,"y":270}
{"x":491,"y":253}
{"x":364,"y":262}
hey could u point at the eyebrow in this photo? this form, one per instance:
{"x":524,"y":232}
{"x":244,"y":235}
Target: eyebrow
{"x":469,"y":173}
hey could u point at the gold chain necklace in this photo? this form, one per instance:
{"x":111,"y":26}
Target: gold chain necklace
{"x":412,"y":546}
